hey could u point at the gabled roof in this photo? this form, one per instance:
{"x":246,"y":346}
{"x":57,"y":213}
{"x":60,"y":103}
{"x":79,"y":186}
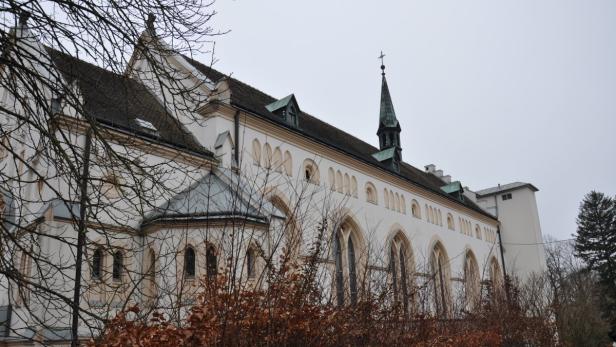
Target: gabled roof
{"x":385,"y":154}
{"x":121,"y":102}
{"x":278,"y":104}
{"x":506,"y":187}
{"x":254,"y":101}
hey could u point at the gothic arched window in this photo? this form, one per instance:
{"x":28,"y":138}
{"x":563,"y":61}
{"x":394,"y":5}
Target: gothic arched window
{"x":97,"y":264}
{"x":189,"y":262}
{"x":256,"y":152}
{"x":339,"y":275}
{"x":118,"y":265}
{"x":440,"y":280}
{"x":211,"y":261}
{"x":251,"y":261}
{"x":352,"y":272}
{"x":472,"y":282}
{"x":346,"y":266}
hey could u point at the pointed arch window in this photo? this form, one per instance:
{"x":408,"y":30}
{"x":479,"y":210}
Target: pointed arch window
{"x":151,"y":275}
{"x":404,"y":281}
{"x":118,"y":265}
{"x":352,"y":272}
{"x":440,"y":280}
{"x":189,"y":262}
{"x":472,"y":284}
{"x":251,"y":263}
{"x":338,"y":271}
{"x":345,"y":248}
{"x":288,"y":164}
{"x":399,"y":270}
{"x":211,"y":262}
{"x":97,"y":264}
{"x":450,"y":222}
{"x":256,"y":152}
{"x":393,"y":271}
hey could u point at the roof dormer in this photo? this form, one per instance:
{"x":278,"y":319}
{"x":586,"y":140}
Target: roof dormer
{"x":287,"y":109}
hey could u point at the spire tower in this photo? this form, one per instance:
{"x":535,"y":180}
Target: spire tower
{"x":389,"y":127}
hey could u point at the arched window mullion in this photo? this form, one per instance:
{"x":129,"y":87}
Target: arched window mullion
{"x":338,"y":271}
{"x":352,"y":272}
{"x":403,"y":281}
{"x":392,"y":269}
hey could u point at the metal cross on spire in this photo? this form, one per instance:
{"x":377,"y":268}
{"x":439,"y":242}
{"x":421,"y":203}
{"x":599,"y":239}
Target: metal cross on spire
{"x":382,"y":63}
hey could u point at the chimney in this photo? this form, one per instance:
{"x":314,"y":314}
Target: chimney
{"x":446,"y":179}
{"x":438,"y":173}
{"x":430,"y":168}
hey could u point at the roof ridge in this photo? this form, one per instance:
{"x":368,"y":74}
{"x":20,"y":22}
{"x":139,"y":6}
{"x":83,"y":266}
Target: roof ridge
{"x":274,"y":99}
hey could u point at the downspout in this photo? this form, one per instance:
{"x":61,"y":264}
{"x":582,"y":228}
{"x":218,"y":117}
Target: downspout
{"x":500,"y":244}
{"x":81,"y":237}
{"x":236,"y":135}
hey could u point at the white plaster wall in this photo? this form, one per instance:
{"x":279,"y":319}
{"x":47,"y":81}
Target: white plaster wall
{"x":520,"y":231}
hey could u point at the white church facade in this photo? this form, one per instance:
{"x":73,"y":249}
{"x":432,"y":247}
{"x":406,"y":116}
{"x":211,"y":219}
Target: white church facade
{"x":247,"y":177}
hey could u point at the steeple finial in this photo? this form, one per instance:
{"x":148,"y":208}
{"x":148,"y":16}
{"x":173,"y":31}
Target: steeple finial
{"x":23,"y":18}
{"x":149,"y":23}
{"x":382,"y":63}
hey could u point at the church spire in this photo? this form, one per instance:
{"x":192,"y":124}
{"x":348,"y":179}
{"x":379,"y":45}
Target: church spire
{"x":389,"y":128}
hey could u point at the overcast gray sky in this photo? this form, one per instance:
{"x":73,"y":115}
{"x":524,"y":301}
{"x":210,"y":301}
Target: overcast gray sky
{"x":489,"y":91}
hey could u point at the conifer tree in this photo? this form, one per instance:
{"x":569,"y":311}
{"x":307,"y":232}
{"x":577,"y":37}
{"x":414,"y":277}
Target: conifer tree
{"x":595,"y":243}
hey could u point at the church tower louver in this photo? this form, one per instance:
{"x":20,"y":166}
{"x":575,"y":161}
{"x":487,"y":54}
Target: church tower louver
{"x":389,"y":128}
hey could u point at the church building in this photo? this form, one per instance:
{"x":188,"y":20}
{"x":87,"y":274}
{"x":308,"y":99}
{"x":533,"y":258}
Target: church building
{"x":193,"y":174}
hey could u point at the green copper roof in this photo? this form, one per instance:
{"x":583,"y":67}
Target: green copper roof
{"x":278,"y":104}
{"x":387,"y":116}
{"x":452,"y":187}
{"x":385,"y":154}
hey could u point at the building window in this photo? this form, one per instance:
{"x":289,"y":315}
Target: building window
{"x":267,"y":153}
{"x":339,"y":272}
{"x":277,"y":160}
{"x":288,"y":164}
{"x":189,"y":262}
{"x":399,"y":267}
{"x":256,"y":152}
{"x":371,"y":193}
{"x":97,"y":264}
{"x":450,"y":222}
{"x":472,"y":284}
{"x":311,"y":171}
{"x":346,"y":264}
{"x":440,"y":280}
{"x":151,"y":275}
{"x":118,"y":264}
{"x":506,"y":196}
{"x":352,"y":271}
{"x":250,"y":263}
{"x":211,"y":261}
{"x":415,"y":209}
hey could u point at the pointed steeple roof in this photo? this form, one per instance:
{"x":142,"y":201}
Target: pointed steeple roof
{"x":387,"y":116}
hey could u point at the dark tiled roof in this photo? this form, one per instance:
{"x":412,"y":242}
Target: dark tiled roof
{"x":118,"y":101}
{"x":254,"y":101}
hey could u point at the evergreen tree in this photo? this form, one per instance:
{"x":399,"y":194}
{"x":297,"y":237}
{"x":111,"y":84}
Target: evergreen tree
{"x":595,"y":243}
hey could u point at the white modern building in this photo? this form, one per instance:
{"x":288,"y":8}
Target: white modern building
{"x":223,"y":178}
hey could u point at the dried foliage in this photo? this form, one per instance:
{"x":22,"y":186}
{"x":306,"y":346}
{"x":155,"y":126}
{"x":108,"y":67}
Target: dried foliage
{"x":289,"y":314}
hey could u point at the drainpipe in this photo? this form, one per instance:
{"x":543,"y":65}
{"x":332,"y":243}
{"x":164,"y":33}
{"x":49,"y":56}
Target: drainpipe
{"x":236,"y":149}
{"x":81,"y":237}
{"x":500,"y":243}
